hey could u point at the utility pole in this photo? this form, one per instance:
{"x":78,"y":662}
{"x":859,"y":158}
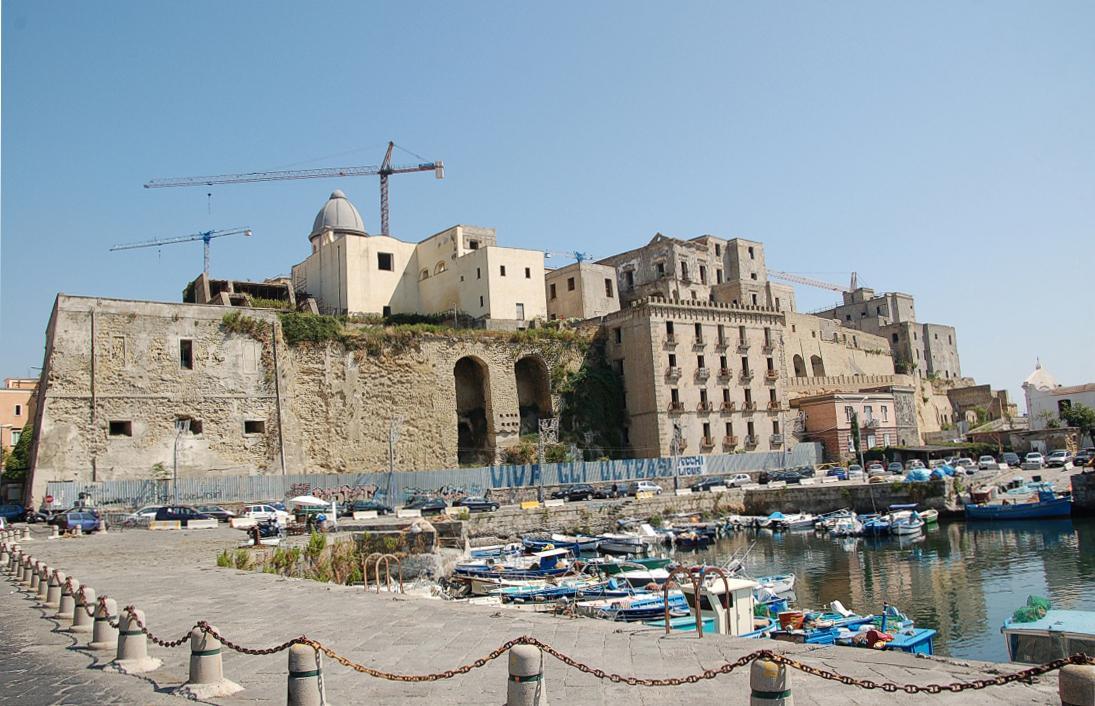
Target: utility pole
{"x":181,"y":427}
{"x":394,"y":427}
{"x":549,"y":434}
{"x":675,"y":451}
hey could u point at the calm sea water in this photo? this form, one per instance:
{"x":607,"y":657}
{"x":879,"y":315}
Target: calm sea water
{"x":962,"y":579}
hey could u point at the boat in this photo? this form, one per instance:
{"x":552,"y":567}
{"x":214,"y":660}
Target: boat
{"x":640,"y":578}
{"x":876,"y":525}
{"x":623,"y":543}
{"x":846,"y":527}
{"x":548,"y":563}
{"x":929,"y":516}
{"x":641,"y":606}
{"x":496,"y":550}
{"x":611,"y":567}
{"x":690,"y":539}
{"x":1036,"y":633}
{"x":1047,"y":505}
{"x":777,"y":584}
{"x":907,"y":524}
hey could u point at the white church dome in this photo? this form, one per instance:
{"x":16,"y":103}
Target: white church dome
{"x":1040,"y":379}
{"x":339,"y":215}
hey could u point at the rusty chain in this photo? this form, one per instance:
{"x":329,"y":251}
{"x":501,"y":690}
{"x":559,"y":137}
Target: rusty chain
{"x":890,"y":687}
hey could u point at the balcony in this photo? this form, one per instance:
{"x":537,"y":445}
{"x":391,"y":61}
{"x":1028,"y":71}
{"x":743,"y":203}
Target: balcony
{"x":771,"y":375}
{"x":724,"y":373}
{"x":699,"y":342}
{"x":722,"y":343}
{"x":743,"y":345}
{"x":729,"y":442}
{"x":746,"y":375}
{"x":702,"y":373}
{"x":676,"y":407}
{"x":729,"y":406}
{"x":750,"y":441}
{"x":776,"y":439}
{"x":670,"y":340}
{"x":749,"y":407}
{"x":768,"y":347}
{"x":707,"y":442}
{"x":704,"y":406}
{"x":773,"y":406}
{"x":672,"y":372}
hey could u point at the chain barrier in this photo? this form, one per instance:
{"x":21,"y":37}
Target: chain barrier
{"x":1025,"y":675}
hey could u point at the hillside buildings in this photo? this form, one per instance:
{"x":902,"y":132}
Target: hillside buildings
{"x":711,"y":355}
{"x":1046,"y":399}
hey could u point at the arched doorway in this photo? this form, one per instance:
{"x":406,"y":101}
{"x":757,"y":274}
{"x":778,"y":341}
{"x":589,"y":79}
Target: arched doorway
{"x":533,"y":392}
{"x":818,"y":366}
{"x":474,"y":439}
{"x":800,"y":366}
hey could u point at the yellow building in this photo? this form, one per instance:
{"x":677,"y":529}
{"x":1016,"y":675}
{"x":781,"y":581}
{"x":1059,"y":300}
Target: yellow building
{"x":15,"y":400}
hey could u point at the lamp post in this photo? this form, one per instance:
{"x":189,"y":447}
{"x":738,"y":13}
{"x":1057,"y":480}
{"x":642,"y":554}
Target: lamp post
{"x":181,"y":426}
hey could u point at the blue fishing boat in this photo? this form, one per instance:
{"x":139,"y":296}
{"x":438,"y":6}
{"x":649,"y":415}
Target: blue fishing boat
{"x":1047,"y":505}
{"x":876,"y":526}
{"x":548,"y":563}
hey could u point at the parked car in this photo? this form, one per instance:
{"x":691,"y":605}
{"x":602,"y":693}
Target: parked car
{"x":426,"y":504}
{"x":13,"y":512}
{"x":264,"y":512}
{"x":1082,"y":458}
{"x":788,"y":476}
{"x":875,"y":466}
{"x":1012,"y":459}
{"x":986,"y":463}
{"x":559,"y":494}
{"x":936,"y":463}
{"x":965,"y":463}
{"x":1035,"y":457}
{"x":913,"y":464}
{"x":739,"y":479}
{"x":644,"y":486}
{"x":476,"y":503}
{"x":86,"y":520}
{"x":180,"y":513}
{"x":579,"y":491}
{"x":1058,"y":458}
{"x":365,"y":506}
{"x":217,"y":512}
{"x":838,"y":473}
{"x":708,"y":484}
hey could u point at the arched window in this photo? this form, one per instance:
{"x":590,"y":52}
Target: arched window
{"x":439,"y":267}
{"x":475,"y":442}
{"x":533,"y":392}
{"x":424,"y":274}
{"x":800,"y":366}
{"x":818,"y":366}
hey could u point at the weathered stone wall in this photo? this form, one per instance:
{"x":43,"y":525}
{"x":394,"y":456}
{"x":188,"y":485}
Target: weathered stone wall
{"x":250,"y":401}
{"x":1083,"y":493}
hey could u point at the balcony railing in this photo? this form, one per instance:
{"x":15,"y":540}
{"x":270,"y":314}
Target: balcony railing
{"x":670,"y":339}
{"x":724,"y":373}
{"x":771,"y":375}
{"x":722,"y":343}
{"x":704,"y":406}
{"x":702,"y":373}
{"x":707,"y":442}
{"x":729,"y":406}
{"x":672,"y":372}
{"x":676,"y":406}
{"x":768,"y":347}
{"x":743,"y":345}
{"x":749,"y":407}
{"x":746,"y":375}
{"x":776,"y":439}
{"x":773,"y":406}
{"x":699,"y":342}
{"x":750,"y":441}
{"x":729,"y":442}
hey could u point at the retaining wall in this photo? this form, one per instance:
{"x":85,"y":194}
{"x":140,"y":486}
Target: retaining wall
{"x":1083,"y":494}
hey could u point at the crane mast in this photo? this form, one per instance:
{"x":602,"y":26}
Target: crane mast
{"x":385,"y":170}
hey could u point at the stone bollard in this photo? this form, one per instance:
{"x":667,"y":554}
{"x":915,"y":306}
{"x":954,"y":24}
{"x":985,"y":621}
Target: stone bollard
{"x":36,"y":576}
{"x":13,"y":561}
{"x":1076,"y":685}
{"x":104,"y":636}
{"x":132,"y":656}
{"x":81,"y":621}
{"x":77,"y":531}
{"x":206,"y":669}
{"x":53,"y":593}
{"x":26,"y":534}
{"x":305,"y":677}
{"x":69,"y":589}
{"x":5,"y":556}
{"x":770,"y":684}
{"x":28,"y":570}
{"x":43,"y":583}
{"x":55,"y":533}
{"x":101,"y":529}
{"x":525,"y":686}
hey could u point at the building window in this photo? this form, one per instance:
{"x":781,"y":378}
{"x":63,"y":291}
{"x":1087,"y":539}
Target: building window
{"x":473,"y":245}
{"x":703,"y":275}
{"x":684,"y":270}
{"x":775,"y":426}
{"x":385,"y":261}
{"x":15,"y":434}
{"x":950,"y":340}
{"x":619,"y":333}
{"x":752,"y":275}
{"x":729,"y":428}
{"x":771,"y":394}
{"x":674,"y":395}
{"x":754,"y":300}
{"x":502,"y":270}
{"x":726,"y":394}
{"x":120,"y":428}
{"x":701,"y":362}
{"x":439,"y":268}
{"x":608,"y":288}
{"x":707,"y":430}
{"x":723,"y":365}
{"x":660,"y":269}
{"x":703,"y":397}
{"x":893,"y":337}
{"x":570,"y":284}
{"x":885,"y":414}
{"x":777,"y":304}
{"x":478,"y":273}
{"x":741,"y":335}
{"x":424,"y":274}
{"x":480,"y":300}
{"x":520,"y":311}
{"x":669,"y":328}
{"x":718,"y":276}
{"x":386,"y":311}
{"x":885,"y":439}
{"x":551,"y":290}
{"x":186,"y":354}
{"x":848,"y":413}
{"x":18,"y":410}
{"x":751,"y":253}
{"x":718,"y":250}
{"x":771,"y":364}
{"x":629,"y":279}
{"x":847,"y":317}
{"x":528,"y":273}
{"x":193,"y":426}
{"x":750,"y":429}
{"x":672,"y":360}
{"x":699,"y":332}
{"x":748,"y":396}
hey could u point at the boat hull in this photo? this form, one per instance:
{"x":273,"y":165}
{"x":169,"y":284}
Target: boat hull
{"x":1059,"y":507}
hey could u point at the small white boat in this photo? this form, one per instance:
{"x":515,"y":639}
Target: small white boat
{"x":780,"y":583}
{"x":847,"y":527}
{"x":929,"y":516}
{"x":622,"y":543}
{"x":907,"y":524}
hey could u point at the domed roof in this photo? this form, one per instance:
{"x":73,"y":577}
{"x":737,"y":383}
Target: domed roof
{"x":338,"y":214}
{"x":1040,"y":378}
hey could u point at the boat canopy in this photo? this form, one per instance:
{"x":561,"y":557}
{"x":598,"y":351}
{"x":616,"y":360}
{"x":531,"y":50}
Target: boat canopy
{"x":777,"y":515}
{"x":550,"y":552}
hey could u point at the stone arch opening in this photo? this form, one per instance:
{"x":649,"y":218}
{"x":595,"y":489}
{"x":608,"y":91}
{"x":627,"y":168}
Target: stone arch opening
{"x":475,"y":443}
{"x":818,"y":366}
{"x":800,"y":366}
{"x":533,"y":392}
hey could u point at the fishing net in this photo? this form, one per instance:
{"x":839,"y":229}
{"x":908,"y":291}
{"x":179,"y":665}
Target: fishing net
{"x":1035,"y":609}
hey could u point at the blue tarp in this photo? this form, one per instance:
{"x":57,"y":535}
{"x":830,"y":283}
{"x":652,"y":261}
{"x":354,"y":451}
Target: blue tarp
{"x":918,"y":475}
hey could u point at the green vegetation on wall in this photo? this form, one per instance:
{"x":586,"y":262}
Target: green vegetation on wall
{"x":593,"y":401}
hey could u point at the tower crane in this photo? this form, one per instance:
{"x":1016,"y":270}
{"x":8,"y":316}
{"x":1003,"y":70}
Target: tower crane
{"x":580,"y":257}
{"x":385,"y":170}
{"x":799,"y":279}
{"x":204,"y":236}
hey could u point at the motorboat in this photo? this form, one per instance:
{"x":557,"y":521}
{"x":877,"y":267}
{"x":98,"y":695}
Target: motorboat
{"x":909,"y":523}
{"x":1047,"y":505}
{"x":929,"y":516}
{"x":777,"y":584}
{"x":1055,"y":635}
{"x":846,"y":527}
{"x":876,"y":525}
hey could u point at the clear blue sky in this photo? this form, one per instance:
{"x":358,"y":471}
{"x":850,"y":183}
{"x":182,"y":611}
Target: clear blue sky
{"x":945,"y":149}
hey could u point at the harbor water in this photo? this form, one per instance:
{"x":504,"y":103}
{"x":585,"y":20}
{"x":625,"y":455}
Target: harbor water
{"x":962,"y":579}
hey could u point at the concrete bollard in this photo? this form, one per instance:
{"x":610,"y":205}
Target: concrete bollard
{"x":5,"y":556}
{"x":81,"y":621}
{"x":206,"y":669}
{"x":132,"y":655}
{"x":770,"y":684}
{"x":26,"y":534}
{"x":1076,"y":685}
{"x":36,"y":576}
{"x":69,"y":589}
{"x":525,"y":686}
{"x":305,"y":677}
{"x":104,"y":636}
{"x":13,"y":561}
{"x":28,"y":570}
{"x":55,"y":533}
{"x":77,"y":531}
{"x":101,"y":529}
{"x":43,"y":583}
{"x":53,"y":593}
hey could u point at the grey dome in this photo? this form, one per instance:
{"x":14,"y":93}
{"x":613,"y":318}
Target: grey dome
{"x":338,"y":214}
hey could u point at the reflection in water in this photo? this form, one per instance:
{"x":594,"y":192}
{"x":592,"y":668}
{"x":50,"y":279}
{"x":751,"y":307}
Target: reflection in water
{"x":961,"y":579}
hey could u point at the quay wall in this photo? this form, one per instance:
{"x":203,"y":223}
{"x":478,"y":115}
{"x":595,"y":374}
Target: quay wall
{"x":1083,"y":494}
{"x":865,"y":498}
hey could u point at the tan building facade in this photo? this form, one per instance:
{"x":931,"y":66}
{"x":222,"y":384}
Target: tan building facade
{"x":583,"y":290}
{"x":459,"y":269}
